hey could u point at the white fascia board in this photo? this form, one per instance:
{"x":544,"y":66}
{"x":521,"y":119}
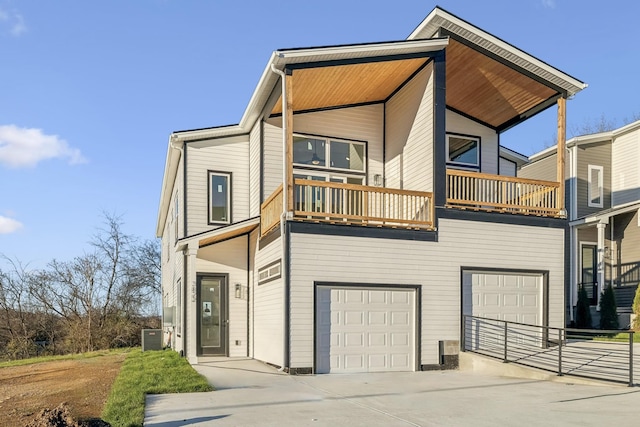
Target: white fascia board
{"x":364,"y":50}
{"x":512,"y":155}
{"x":493,"y":44}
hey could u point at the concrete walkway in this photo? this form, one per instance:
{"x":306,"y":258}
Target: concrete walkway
{"x":249,"y":393}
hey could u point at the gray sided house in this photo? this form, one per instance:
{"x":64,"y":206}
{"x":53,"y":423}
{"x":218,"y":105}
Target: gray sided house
{"x":603,"y":202}
{"x":363,"y":204}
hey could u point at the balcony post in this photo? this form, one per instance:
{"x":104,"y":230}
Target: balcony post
{"x":562,"y":136}
{"x":289,"y":137}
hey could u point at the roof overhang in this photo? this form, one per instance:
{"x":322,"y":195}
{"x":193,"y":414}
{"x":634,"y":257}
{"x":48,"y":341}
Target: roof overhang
{"x":218,"y":235}
{"x":488,"y":79}
{"x":604,"y":215}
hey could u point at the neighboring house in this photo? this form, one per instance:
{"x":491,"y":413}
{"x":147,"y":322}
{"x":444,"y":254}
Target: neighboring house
{"x":363,"y":204}
{"x":603,"y":200}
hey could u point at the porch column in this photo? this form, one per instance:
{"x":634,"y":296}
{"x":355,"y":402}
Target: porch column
{"x":601,"y":228}
{"x":288,"y":112}
{"x":191,"y":331}
{"x":562,"y":137}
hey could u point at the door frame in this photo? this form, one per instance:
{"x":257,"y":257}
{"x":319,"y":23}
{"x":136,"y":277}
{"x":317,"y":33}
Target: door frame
{"x":224,"y":315}
{"x":417,"y":315}
{"x":599,"y":287}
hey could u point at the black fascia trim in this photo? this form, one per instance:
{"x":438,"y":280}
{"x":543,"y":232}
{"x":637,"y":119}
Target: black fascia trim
{"x":334,"y":107}
{"x":363,"y":60}
{"x":475,"y":119}
{"x":272,"y":236}
{"x":440,"y":131}
{"x":501,"y":218}
{"x":207,"y":128}
{"x":405,"y":41}
{"x":360,"y":231}
{"x":503,"y":61}
{"x":408,"y":79}
{"x":184,"y":190}
{"x":498,"y":154}
{"x":287,"y":297}
{"x":230,"y":207}
{"x":548,"y":103}
{"x":384,"y":144}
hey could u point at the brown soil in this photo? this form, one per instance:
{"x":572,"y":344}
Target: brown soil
{"x":57,"y":394}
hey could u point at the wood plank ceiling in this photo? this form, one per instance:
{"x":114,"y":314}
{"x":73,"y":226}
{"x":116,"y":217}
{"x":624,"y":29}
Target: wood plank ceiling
{"x":476,"y":85}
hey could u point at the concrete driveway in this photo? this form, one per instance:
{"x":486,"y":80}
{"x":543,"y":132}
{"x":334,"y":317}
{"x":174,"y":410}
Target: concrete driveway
{"x":249,"y":393}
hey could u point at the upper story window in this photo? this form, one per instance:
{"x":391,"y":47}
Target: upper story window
{"x":329,"y":153}
{"x":219,"y":204}
{"x":595,"y":191}
{"x":463,"y":151}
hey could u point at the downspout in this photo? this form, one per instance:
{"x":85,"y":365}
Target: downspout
{"x":283,"y":217}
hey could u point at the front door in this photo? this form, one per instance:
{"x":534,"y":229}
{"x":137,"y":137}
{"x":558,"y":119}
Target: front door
{"x":589,"y":271}
{"x":212,"y":315}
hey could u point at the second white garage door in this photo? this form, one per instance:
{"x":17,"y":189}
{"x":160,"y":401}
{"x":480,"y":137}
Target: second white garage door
{"x":365,"y":330}
{"x":515,"y":297}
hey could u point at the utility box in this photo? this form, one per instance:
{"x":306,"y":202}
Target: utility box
{"x":151,"y":339}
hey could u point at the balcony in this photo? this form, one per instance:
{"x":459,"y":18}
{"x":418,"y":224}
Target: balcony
{"x":339,"y":203}
{"x":496,"y":193}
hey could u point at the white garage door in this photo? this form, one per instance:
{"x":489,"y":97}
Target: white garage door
{"x":365,"y":330}
{"x":514,"y":297}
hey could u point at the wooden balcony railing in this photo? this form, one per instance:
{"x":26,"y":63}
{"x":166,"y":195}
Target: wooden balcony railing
{"x":479,"y":191}
{"x":362,"y":205}
{"x":270,"y":211}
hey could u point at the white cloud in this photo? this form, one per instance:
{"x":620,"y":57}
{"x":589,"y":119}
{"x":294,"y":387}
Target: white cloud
{"x":9,"y":225}
{"x":549,"y":4}
{"x":24,"y":147}
{"x":14,"y":21}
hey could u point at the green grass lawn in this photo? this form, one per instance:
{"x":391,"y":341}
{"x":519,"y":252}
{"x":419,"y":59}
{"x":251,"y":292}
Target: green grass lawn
{"x":149,"y":372}
{"x":622,"y":337}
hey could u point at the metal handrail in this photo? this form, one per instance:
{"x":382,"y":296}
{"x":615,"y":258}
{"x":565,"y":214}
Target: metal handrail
{"x":565,"y":351}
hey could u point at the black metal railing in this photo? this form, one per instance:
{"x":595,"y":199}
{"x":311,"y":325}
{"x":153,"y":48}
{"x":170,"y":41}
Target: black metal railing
{"x":590,"y":353}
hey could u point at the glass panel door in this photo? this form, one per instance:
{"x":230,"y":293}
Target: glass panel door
{"x":212,"y":319}
{"x":589,"y":270}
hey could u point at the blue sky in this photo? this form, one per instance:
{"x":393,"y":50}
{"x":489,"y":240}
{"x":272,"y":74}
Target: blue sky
{"x":91,"y":90}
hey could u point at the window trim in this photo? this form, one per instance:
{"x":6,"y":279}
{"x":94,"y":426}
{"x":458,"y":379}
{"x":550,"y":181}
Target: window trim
{"x":267,"y":268}
{"x":590,"y":197}
{"x":461,"y":165}
{"x":327,"y":151}
{"x":229,"y":177}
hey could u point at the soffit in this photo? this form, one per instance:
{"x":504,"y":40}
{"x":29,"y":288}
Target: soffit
{"x":338,"y":85}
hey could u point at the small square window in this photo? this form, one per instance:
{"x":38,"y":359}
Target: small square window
{"x":463,"y":151}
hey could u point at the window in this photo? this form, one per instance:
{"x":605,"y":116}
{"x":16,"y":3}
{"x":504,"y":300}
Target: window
{"x":329,"y":153}
{"x":219,"y":198}
{"x":463,"y":151}
{"x":270,"y":272}
{"x":595,"y":187}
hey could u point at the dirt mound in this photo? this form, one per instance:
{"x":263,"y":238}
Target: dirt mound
{"x":61,"y":417}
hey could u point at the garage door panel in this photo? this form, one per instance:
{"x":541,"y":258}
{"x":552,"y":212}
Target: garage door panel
{"x":370,"y":329}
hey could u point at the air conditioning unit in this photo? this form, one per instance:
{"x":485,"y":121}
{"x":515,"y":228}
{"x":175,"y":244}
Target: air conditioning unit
{"x":151,"y":339}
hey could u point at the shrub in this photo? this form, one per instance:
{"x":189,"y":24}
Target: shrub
{"x":636,"y":310}
{"x":583,"y":310}
{"x":608,"y":310}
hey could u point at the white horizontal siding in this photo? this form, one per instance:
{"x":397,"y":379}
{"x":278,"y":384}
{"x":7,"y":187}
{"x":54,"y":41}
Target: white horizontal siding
{"x":272,"y":156}
{"x":626,"y":173}
{"x":221,"y":155}
{"x":433,"y":265}
{"x":268,"y":309}
{"x":230,"y":258}
{"x":409,"y":135}
{"x":488,"y":139}
{"x":254,"y":170}
{"x":360,"y":123}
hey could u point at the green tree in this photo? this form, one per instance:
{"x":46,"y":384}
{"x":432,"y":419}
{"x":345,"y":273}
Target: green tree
{"x":636,"y":310}
{"x":583,"y":310}
{"x":608,"y":310}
